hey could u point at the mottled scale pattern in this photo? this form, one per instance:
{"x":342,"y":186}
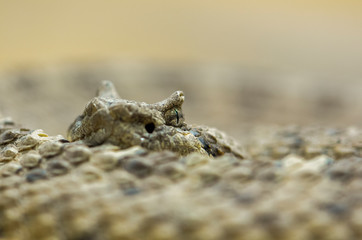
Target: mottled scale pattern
{"x":293,"y":183}
{"x":159,"y":126}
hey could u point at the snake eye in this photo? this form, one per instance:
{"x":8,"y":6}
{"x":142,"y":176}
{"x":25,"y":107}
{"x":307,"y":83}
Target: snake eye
{"x":177,"y":116}
{"x":150,"y":127}
{"x":174,"y":117}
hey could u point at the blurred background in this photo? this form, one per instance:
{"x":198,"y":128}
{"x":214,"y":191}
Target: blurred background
{"x":240,"y":63}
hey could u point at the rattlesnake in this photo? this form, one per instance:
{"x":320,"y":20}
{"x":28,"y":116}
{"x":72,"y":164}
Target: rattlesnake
{"x":179,"y":182}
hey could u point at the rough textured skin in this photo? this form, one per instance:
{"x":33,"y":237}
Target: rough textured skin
{"x":300,"y":183}
{"x":54,"y":189}
{"x":159,"y":126}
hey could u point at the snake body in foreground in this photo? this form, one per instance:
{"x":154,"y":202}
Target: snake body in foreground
{"x":133,"y":170}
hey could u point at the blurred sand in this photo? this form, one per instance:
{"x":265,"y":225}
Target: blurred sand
{"x":240,"y":63}
{"x":298,"y":36}
{"x":230,"y":98}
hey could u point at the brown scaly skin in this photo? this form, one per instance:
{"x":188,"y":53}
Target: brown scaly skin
{"x":158,"y":126}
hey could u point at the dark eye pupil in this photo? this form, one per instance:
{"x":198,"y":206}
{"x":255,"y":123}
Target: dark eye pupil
{"x":150,"y":127}
{"x":177,"y":116}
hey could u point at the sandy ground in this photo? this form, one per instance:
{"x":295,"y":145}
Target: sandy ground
{"x":227,"y":97}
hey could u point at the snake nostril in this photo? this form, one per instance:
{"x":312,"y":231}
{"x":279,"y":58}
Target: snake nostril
{"x":150,"y":127}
